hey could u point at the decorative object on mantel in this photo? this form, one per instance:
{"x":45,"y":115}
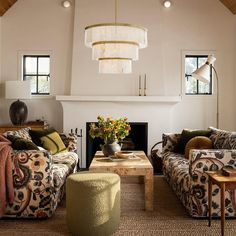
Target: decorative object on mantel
{"x":18,"y":90}
{"x":140,"y":85}
{"x":203,"y":75}
{"x":145,"y":85}
{"x":115,"y":45}
{"x":111,"y":131}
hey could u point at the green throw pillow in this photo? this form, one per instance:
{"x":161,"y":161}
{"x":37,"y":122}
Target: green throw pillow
{"x":21,"y":143}
{"x":186,"y":135}
{"x":48,"y":139}
{"x":37,"y":134}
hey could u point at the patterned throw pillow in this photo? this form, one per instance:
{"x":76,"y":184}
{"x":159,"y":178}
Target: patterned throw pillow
{"x":223,"y":139}
{"x":21,"y":133}
{"x":48,"y":139}
{"x":21,"y":143}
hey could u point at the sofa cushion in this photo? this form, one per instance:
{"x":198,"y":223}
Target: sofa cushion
{"x":186,"y":135}
{"x":223,"y":139}
{"x":48,"y":139}
{"x":21,"y":143}
{"x":21,"y":133}
{"x":198,"y":142}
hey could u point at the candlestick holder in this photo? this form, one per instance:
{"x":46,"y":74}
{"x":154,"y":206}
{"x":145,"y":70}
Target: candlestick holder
{"x":139,"y":86}
{"x":145,"y":85}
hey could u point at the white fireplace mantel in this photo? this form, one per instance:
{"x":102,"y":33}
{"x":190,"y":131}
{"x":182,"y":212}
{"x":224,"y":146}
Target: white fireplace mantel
{"x":150,"y":99}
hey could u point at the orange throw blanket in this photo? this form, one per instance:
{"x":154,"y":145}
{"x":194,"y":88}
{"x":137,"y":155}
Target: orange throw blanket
{"x":6,"y":178}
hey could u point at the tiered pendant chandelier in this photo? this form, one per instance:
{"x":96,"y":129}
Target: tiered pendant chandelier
{"x":115,"y":45}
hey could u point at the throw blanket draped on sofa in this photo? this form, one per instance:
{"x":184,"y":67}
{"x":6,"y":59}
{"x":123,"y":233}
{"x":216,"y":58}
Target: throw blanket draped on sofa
{"x":6,"y":178}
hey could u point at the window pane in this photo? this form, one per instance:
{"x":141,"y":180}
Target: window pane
{"x":44,"y":84}
{"x":191,"y":85}
{"x":30,"y":65}
{"x":204,"y":88}
{"x":190,"y":65}
{"x":33,"y":83}
{"x":44,"y":65}
{"x":201,"y":61}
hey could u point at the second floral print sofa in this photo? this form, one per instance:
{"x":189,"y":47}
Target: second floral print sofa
{"x":188,"y":179}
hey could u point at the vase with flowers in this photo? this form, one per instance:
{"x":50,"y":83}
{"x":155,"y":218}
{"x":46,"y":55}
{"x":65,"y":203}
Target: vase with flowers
{"x":111,"y":131}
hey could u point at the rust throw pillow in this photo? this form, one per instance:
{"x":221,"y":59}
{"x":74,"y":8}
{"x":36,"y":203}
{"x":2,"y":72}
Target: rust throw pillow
{"x":198,"y":142}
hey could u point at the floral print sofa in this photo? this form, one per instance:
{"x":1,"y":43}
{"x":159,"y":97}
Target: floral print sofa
{"x":188,"y":178}
{"x":39,"y":180}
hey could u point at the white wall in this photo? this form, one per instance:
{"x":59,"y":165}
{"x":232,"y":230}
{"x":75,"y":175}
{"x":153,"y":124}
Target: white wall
{"x":32,"y":25}
{"x":187,"y":25}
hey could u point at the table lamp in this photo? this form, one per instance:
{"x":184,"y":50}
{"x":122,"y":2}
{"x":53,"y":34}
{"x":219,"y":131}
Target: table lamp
{"x":203,"y":75}
{"x":18,"y":90}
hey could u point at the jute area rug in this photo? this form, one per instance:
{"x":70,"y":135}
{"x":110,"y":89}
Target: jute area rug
{"x":168,"y":217}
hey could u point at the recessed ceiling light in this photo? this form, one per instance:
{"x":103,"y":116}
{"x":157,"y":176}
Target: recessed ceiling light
{"x":167,"y":4}
{"x":66,"y":4}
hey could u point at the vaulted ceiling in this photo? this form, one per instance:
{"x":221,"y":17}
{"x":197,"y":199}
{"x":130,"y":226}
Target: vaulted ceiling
{"x":6,"y":4}
{"x":230,"y":4}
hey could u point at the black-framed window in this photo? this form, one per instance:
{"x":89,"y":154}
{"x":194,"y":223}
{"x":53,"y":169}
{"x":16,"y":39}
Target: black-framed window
{"x":36,"y":68}
{"x":192,"y":85}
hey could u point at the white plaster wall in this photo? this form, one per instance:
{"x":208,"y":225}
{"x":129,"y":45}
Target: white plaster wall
{"x":189,"y":25}
{"x":33,"y":25}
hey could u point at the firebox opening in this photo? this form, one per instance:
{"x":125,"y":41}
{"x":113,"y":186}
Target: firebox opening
{"x":136,"y":140}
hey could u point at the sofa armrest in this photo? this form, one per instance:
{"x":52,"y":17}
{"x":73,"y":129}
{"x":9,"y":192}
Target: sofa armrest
{"x":169,"y":141}
{"x":33,"y":184}
{"x":211,"y":159}
{"x":200,"y":162}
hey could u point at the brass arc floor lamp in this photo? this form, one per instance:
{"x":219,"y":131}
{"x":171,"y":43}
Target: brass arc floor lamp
{"x":203,"y":75}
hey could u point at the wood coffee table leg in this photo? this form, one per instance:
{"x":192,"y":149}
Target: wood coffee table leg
{"x":222,"y":208}
{"x":148,"y":182}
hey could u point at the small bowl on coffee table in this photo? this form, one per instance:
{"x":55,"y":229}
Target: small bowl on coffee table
{"x":124,"y":154}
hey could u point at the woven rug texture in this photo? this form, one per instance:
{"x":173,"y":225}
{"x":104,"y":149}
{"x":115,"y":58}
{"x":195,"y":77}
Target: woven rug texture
{"x":168,"y":218}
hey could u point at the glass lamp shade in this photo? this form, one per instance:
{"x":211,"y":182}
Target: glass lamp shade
{"x":115,"y":32}
{"x":115,"y":50}
{"x":115,"y":65}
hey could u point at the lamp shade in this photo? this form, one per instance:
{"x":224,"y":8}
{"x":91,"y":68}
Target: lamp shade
{"x":18,"y":111}
{"x":17,"y":89}
{"x":203,"y":72}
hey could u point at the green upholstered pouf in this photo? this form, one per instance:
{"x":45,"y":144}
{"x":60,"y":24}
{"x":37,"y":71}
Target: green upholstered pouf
{"x":93,"y":203}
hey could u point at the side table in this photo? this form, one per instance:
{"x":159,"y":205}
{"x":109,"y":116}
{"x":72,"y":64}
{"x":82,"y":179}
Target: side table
{"x":224,"y":183}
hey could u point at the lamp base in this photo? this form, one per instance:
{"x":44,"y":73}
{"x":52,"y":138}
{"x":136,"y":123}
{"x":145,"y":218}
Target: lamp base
{"x":18,"y":112}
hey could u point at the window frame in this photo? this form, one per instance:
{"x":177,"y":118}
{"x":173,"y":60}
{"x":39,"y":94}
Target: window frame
{"x":196,"y":55}
{"x":37,"y":75}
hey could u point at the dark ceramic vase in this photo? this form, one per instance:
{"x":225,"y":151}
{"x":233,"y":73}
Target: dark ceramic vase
{"x":18,"y":112}
{"x":109,"y":149}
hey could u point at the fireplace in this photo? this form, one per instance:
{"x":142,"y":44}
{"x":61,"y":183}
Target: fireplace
{"x":136,"y":140}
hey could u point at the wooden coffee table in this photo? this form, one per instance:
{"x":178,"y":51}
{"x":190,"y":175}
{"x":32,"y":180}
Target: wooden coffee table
{"x":141,"y":167}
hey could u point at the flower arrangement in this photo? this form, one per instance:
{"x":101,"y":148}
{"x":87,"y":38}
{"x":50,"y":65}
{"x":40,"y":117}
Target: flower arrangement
{"x":110,"y":130}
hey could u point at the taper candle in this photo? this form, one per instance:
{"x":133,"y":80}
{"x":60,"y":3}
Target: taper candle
{"x":145,"y":85}
{"x":139,"y":86}
{"x":145,"y":81}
